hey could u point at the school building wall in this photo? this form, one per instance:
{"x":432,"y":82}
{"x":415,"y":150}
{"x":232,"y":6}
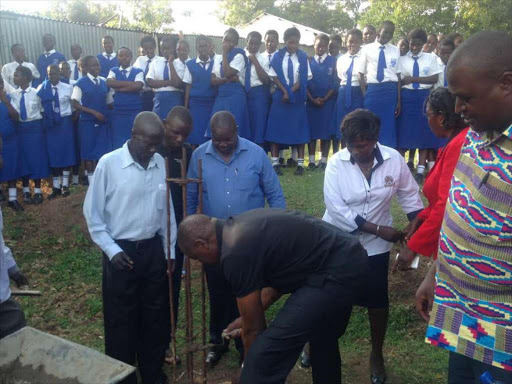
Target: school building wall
{"x":28,"y":31}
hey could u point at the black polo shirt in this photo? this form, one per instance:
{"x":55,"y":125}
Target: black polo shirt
{"x":286,"y":250}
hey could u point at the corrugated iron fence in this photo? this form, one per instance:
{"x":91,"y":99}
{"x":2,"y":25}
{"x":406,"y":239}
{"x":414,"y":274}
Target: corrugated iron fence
{"x":28,"y":30}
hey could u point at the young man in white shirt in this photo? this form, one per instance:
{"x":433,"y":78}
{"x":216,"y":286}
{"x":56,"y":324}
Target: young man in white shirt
{"x":128,"y":221}
{"x":380,"y":64}
{"x":18,"y":53}
{"x":148,"y":45}
{"x":76,"y":53}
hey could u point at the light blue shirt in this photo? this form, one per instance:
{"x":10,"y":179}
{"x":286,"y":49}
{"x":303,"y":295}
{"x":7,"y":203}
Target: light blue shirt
{"x":232,"y":188}
{"x":127,"y":202}
{"x":7,"y":265}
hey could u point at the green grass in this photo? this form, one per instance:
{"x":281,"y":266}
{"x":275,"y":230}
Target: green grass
{"x":67,"y":270}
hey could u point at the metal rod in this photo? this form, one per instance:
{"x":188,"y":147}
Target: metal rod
{"x":203,"y":275}
{"x":170,"y":270}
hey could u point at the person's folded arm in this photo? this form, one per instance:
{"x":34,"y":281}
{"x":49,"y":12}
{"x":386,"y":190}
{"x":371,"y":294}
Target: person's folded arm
{"x":253,"y":317}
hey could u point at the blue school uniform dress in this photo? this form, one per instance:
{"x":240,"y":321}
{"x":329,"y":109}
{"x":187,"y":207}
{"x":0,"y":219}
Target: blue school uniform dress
{"x":32,"y":141}
{"x":202,"y":97}
{"x":258,"y":99}
{"x":58,"y":123}
{"x":107,"y":62}
{"x":94,"y":136}
{"x":381,"y":65}
{"x":127,"y":105}
{"x":231,"y":96}
{"x":166,"y":98}
{"x":12,"y":169}
{"x":323,"y":81}
{"x":147,"y":94}
{"x":46,"y":59}
{"x":350,"y":96}
{"x":288,"y":122}
{"x":413,"y":128}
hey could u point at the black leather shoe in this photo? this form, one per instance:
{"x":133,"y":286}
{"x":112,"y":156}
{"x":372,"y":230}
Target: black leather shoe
{"x":299,"y":171}
{"x":277,"y":168}
{"x":15,"y":206}
{"x":311,"y":166}
{"x":27,"y":198}
{"x":305,"y":360}
{"x":38,"y":198}
{"x":322,"y":165}
{"x":214,"y":356}
{"x":56,"y":192}
{"x":291,"y":163}
{"x":376,"y":379}
{"x":65,"y":191}
{"x":281,"y":162}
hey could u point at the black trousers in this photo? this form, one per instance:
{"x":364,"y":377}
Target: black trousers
{"x":317,"y":312}
{"x":464,"y":370}
{"x":136,"y":309}
{"x":11,"y":317}
{"x":223,"y":306}
{"x":176,"y":280}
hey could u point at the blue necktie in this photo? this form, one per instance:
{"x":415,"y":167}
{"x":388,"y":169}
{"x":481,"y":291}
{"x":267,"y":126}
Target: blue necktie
{"x":348,"y":87}
{"x":381,"y":65}
{"x":56,"y":106}
{"x":416,"y":72}
{"x":147,"y":69}
{"x":75,"y":72}
{"x":445,"y":78}
{"x":124,"y":71}
{"x":96,"y":81}
{"x":166,"y":71}
{"x":248,"y":76}
{"x":23,"y":107}
{"x":290,"y":71}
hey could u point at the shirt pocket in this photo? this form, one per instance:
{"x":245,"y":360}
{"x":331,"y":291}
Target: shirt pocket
{"x":160,"y":197}
{"x":248,"y":182}
{"x":33,"y":107}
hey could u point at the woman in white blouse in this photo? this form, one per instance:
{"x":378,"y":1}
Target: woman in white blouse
{"x":360,"y":182}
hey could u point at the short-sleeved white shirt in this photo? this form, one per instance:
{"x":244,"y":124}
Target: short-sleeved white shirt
{"x":138,"y":77}
{"x":369,"y":62}
{"x":156,"y":72}
{"x":238,"y":64}
{"x":187,"y":76}
{"x":296,"y":68}
{"x":343,"y":64}
{"x":263,"y":60}
{"x":427,"y":64}
{"x":32,"y":103}
{"x":9,"y":69}
{"x":77,"y":91}
{"x":65,"y":91}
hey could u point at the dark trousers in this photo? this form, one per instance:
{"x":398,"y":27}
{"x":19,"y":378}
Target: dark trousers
{"x":318,"y":313}
{"x":223,"y":307}
{"x":11,"y":317}
{"x":465,"y":370}
{"x":176,"y":280}
{"x":136,"y":309}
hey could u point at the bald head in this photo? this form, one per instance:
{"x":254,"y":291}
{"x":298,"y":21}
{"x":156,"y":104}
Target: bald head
{"x":224,"y":133}
{"x":223,"y":121}
{"x":488,"y":52}
{"x":197,"y":238}
{"x":147,"y":124}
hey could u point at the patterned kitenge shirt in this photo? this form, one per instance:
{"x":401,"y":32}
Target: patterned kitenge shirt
{"x":472,"y":312}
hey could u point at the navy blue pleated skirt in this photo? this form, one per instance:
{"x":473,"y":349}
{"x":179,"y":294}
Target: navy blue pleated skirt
{"x":60,"y":142}
{"x":121,"y":126}
{"x":381,"y":99}
{"x":95,"y":139}
{"x":34,"y":155}
{"x":201,"y":110}
{"x":258,"y":105}
{"x":287,"y":123}
{"x":341,"y":110}
{"x":231,"y":97}
{"x":320,"y":119}
{"x":165,"y":101}
{"x":147,"y":100}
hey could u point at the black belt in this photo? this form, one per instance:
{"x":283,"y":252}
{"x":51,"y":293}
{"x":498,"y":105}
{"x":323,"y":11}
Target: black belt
{"x":137,"y":244}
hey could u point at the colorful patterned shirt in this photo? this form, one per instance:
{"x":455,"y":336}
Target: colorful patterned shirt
{"x":472,"y":312}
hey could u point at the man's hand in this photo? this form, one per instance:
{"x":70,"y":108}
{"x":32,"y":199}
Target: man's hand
{"x":233,"y":330}
{"x":20,"y":279}
{"x":425,"y":294}
{"x":389,"y":234}
{"x":122,"y":262}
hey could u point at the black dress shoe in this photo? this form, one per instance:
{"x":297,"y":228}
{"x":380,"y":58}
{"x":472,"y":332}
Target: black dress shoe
{"x":15,"y":206}
{"x":65,"y":191}
{"x":56,"y":192}
{"x":281,"y":162}
{"x":311,"y":166}
{"x":291,"y":163}
{"x":322,"y":165}
{"x":38,"y":198}
{"x":2,"y":196}
{"x":377,"y":379}
{"x":27,"y":198}
{"x":214,"y":356}
{"x":277,"y":168}
{"x":299,"y":171}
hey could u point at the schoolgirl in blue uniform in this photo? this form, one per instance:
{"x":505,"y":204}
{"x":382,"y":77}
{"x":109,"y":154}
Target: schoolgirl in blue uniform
{"x":380,"y":63}
{"x":288,"y":122}
{"x":257,"y":84}
{"x":49,"y":57}
{"x":165,"y":80}
{"x":55,"y":97}
{"x":199,"y":92}
{"x":108,"y":58}
{"x":148,"y":46}
{"x":229,"y":75}
{"x":12,"y":169}
{"x":420,"y":71}
{"x":321,"y":93}
{"x":90,"y":97}
{"x":127,"y":83}
{"x":31,"y":136}
{"x":350,"y":96}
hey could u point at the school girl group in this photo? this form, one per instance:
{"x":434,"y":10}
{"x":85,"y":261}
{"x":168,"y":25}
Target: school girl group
{"x":57,"y":114}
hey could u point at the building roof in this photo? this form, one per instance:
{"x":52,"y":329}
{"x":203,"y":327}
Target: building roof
{"x":266,"y":21}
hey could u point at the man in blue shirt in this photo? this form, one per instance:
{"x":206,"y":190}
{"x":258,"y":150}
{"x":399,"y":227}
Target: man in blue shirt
{"x":237,"y":177}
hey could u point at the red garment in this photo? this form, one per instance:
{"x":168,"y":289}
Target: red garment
{"x":425,"y":240}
